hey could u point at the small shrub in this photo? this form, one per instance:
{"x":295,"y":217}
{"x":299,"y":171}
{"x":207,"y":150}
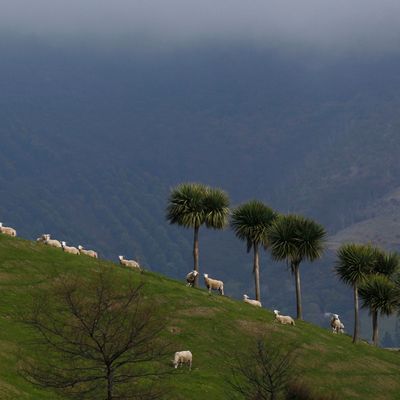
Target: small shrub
{"x":300,"y":391}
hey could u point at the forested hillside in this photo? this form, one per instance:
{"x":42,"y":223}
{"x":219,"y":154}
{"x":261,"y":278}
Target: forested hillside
{"x":92,"y":139}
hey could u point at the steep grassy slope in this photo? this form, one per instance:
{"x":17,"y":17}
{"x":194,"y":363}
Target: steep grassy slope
{"x":208,"y":325}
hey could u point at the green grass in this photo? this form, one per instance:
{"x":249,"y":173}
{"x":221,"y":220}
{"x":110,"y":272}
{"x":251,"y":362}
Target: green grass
{"x":209,"y":326}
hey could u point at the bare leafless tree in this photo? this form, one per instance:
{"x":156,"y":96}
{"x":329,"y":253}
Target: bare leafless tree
{"x":262,"y":372}
{"x":96,"y":340}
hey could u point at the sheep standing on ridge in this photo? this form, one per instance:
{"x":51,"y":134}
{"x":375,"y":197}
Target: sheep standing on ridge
{"x":183,"y":357}
{"x":214,"y":284}
{"x":69,"y":249}
{"x":7,"y":230}
{"x":42,"y":238}
{"x":90,"y":253}
{"x":191,"y":277}
{"x":129,"y":263}
{"x":336,"y":324}
{"x":283,"y":319}
{"x":51,"y":242}
{"x":255,"y":303}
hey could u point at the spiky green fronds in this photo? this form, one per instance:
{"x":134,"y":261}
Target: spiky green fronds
{"x":194,"y":204}
{"x":355,"y":262}
{"x":186,"y":205}
{"x":296,"y":238}
{"x":216,"y":209}
{"x":282,"y":238}
{"x":250,"y":222}
{"x":387,"y":263}
{"x":380,"y":294}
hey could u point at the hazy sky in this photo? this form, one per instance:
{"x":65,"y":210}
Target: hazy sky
{"x":343,"y":23}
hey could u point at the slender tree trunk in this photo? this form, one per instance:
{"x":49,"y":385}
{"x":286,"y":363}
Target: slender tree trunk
{"x":299,"y":306}
{"x":196,"y":254}
{"x":110,"y":382}
{"x":256,"y":271}
{"x":375,"y":333}
{"x":356,"y":320}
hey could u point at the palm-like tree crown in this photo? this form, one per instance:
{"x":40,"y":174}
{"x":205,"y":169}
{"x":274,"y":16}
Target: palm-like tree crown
{"x":250,"y":222}
{"x":355,"y":262}
{"x":386,"y":263}
{"x":380,"y":294}
{"x":216,"y":208}
{"x":296,"y":238}
{"x":186,"y":205}
{"x":194,"y":204}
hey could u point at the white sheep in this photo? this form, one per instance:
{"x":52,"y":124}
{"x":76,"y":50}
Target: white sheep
{"x":283,"y":319}
{"x":129,"y":263}
{"x":69,"y":249}
{"x":51,"y":242}
{"x":336,"y":324}
{"x":183,"y":357}
{"x":213,"y":284}
{"x":7,"y":230}
{"x":42,"y":238}
{"x":191,"y":277}
{"x":90,"y":253}
{"x":255,"y":303}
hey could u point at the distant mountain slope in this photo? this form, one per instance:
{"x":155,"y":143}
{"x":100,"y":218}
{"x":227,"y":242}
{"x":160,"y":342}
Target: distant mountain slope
{"x":212,"y":327}
{"x":92,"y":139}
{"x":381,"y":225}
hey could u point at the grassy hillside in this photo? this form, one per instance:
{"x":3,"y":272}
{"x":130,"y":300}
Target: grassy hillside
{"x":207,"y":325}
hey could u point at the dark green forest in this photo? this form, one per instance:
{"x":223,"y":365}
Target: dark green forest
{"x":92,"y":140}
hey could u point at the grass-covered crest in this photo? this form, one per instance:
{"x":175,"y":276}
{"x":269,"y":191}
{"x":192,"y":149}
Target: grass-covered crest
{"x":380,"y":294}
{"x":355,"y":262}
{"x":210,"y":327}
{"x":250,"y":222}
{"x":296,"y":238}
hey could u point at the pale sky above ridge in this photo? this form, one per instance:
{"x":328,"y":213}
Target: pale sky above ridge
{"x":343,"y":23}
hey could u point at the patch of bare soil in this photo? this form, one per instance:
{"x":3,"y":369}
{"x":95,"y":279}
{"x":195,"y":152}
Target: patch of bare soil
{"x":198,"y":311}
{"x":255,"y":328}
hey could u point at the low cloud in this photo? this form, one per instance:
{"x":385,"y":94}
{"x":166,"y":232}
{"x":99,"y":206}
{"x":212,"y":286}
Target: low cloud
{"x":343,"y":23}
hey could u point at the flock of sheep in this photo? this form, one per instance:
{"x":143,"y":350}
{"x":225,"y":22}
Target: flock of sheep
{"x":181,"y":357}
{"x":214,"y":284}
{"x":47,"y":240}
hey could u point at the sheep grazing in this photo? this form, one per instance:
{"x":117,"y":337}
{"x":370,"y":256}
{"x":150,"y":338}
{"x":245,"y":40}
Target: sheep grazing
{"x":51,"y":242}
{"x":7,"y":230}
{"x":42,"y":238}
{"x":336,"y":324}
{"x":283,"y":319}
{"x":69,"y":249}
{"x":255,"y":303}
{"x":183,"y":357}
{"x":90,"y":253}
{"x":129,"y":263}
{"x":214,"y":284}
{"x":191,"y":277}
